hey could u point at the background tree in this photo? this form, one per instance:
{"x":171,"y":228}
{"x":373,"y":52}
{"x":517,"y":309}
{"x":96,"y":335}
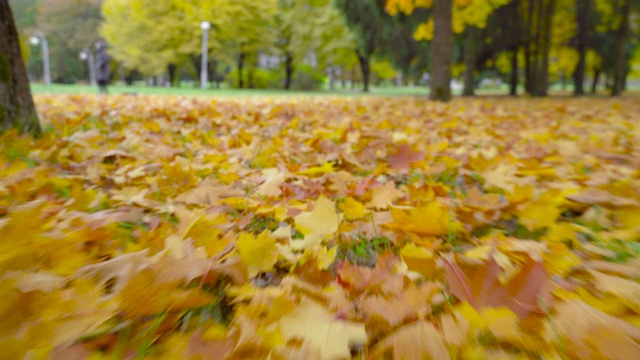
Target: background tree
{"x":447,"y":19}
{"x":16,"y":104}
{"x":583,"y":21}
{"x":248,"y":31}
{"x":364,"y":18}
{"x":623,"y":33}
{"x":138,"y":34}
{"x":69,"y":25}
{"x":441,"y":48}
{"x":312,"y":27}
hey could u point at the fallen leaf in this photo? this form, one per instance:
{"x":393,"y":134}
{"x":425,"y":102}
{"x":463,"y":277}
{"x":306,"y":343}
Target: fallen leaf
{"x":258,"y":253}
{"x":433,"y":219}
{"x":312,"y":322}
{"x":418,"y":340}
{"x":384,"y":196}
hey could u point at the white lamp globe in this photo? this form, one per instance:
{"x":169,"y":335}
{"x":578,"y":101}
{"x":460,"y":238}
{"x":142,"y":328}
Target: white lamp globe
{"x":205,"y":25}
{"x":34,"y":40}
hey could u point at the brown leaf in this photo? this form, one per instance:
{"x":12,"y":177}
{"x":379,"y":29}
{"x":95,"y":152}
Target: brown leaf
{"x":384,"y":196}
{"x":479,"y":285}
{"x":207,"y":193}
{"x":595,"y":196}
{"x":413,"y":303}
{"x":207,"y":350}
{"x":418,"y":340}
{"x":402,"y":159}
{"x":586,"y":332}
{"x":383,"y":278}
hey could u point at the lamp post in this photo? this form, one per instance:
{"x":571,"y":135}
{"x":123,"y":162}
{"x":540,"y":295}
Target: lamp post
{"x":39,"y":38}
{"x":205,"y":26}
{"x":87,"y":55}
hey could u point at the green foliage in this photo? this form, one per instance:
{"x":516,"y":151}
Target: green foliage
{"x":363,"y":251}
{"x":262,"y":78}
{"x":307,"y":78}
{"x":69,"y":25}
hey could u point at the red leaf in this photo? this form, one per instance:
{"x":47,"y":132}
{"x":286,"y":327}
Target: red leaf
{"x":403,"y":158}
{"x":480,"y":286}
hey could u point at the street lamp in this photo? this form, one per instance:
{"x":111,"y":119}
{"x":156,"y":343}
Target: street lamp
{"x":39,"y":38}
{"x":87,"y":55}
{"x":205,"y":26}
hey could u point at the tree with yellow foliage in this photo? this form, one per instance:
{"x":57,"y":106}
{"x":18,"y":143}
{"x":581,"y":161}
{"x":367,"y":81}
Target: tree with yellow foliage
{"x":448,"y":17}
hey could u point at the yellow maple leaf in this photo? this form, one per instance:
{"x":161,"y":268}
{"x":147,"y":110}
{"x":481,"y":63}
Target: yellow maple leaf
{"x":351,"y":208}
{"x":419,"y":259}
{"x":541,"y":213}
{"x":258,"y":253}
{"x":312,"y":322}
{"x":384,"y":196}
{"x":432,"y":219}
{"x":318,"y":224}
{"x":318,"y":170}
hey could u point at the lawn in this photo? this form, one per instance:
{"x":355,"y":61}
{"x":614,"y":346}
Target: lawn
{"x":321,"y":228}
{"x":226,"y":92}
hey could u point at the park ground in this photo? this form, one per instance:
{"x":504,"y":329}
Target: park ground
{"x":323,"y":227}
{"x":190,"y":90}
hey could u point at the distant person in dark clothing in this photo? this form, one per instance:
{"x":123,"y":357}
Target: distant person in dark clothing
{"x":103,"y":61}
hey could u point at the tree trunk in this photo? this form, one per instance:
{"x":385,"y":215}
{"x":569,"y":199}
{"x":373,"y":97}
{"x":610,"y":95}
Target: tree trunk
{"x":212,"y":71}
{"x":514,"y":73}
{"x":399,"y":79}
{"x":364,"y":68}
{"x":332,"y":77}
{"x":171,"y":70}
{"x":594,"y":84}
{"x":240,"y":74}
{"x":582,"y":16}
{"x":469,"y":57}
{"x":529,"y":54}
{"x":288,"y":69}
{"x":619,"y":54}
{"x":16,"y":104}
{"x":546,"y":48}
{"x":441,"y":50}
{"x":539,"y":62}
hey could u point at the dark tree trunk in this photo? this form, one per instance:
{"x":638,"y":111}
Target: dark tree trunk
{"x":240,"y":73}
{"x":582,"y":17}
{"x":212,"y":71}
{"x":171,"y":71}
{"x":469,"y":56}
{"x":250,"y":74}
{"x":619,"y":54}
{"x":288,"y":69}
{"x":543,"y":73}
{"x":541,"y":12}
{"x":16,"y":104}
{"x":195,"y":60}
{"x":514,"y":73}
{"x":364,"y":68}
{"x":596,"y":78}
{"x":441,"y":50}
{"x":528,"y":50}
{"x":128,"y":78}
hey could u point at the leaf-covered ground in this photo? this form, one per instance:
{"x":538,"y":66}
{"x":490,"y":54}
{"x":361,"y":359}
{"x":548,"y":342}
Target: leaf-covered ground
{"x":300,"y":228}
